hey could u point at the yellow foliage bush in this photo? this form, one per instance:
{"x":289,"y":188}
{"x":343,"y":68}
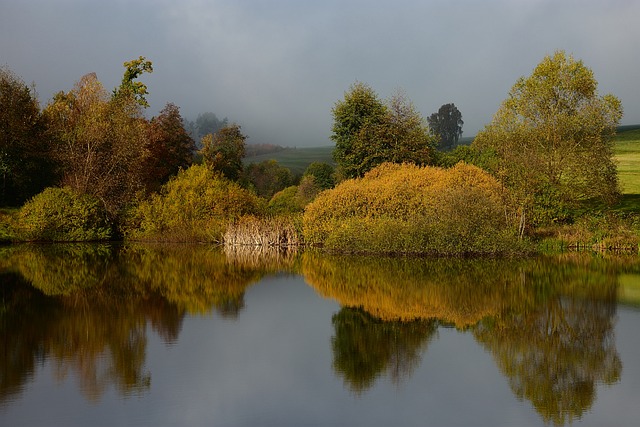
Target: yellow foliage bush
{"x":410,"y":209}
{"x":196,"y":205}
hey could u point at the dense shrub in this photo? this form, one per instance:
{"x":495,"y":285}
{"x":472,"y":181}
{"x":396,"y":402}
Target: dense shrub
{"x":293,"y":199}
{"x":410,"y":209}
{"x":60,"y":214}
{"x":196,"y":205}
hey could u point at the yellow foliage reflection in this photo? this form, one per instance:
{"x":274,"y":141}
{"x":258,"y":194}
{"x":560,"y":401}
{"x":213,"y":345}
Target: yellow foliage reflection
{"x":87,"y":308}
{"x":458,"y":291}
{"x":548,"y":322}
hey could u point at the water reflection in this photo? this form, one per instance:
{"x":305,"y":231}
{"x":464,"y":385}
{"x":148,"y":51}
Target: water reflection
{"x":86,"y":308}
{"x":366,"y":347}
{"x":548,"y":323}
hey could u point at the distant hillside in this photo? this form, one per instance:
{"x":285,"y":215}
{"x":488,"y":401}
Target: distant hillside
{"x":296,"y":159}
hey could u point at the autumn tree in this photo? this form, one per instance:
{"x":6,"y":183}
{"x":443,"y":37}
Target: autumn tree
{"x":224,"y":150}
{"x":170,"y":146}
{"x":99,"y":141}
{"x":447,"y":125}
{"x":25,"y":167}
{"x":369,"y":132}
{"x":553,"y":138}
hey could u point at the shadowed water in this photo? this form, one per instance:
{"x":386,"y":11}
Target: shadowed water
{"x":193,"y":335}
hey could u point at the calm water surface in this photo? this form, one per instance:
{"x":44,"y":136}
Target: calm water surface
{"x":193,"y":336}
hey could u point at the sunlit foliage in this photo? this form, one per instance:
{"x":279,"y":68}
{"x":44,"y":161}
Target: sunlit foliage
{"x":196,"y":205}
{"x":553,"y":138}
{"x":100,"y":142}
{"x":62,"y":214}
{"x":410,"y":209}
{"x":131,"y":89}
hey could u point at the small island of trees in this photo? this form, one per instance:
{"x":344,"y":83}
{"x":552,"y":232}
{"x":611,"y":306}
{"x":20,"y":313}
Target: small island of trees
{"x":90,"y":166}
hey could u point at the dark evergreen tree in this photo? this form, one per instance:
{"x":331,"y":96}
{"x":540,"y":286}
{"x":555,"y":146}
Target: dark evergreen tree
{"x":447,"y":125}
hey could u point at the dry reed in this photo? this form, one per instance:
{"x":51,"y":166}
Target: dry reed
{"x":253,"y":231}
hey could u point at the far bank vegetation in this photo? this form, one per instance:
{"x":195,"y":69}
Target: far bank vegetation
{"x":543,"y":169}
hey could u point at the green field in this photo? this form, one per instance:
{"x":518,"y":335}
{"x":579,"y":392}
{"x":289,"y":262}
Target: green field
{"x":296,"y":159}
{"x":627,"y":155}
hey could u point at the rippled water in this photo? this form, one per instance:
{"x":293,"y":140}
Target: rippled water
{"x":190,"y":335}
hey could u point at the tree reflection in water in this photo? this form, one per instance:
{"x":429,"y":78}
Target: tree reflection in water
{"x":365,"y":347}
{"x":87,"y":310}
{"x":86,"y":307}
{"x":548,"y":322}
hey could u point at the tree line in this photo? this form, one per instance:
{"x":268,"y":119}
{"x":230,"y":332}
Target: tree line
{"x":548,"y":150}
{"x":550,"y":145}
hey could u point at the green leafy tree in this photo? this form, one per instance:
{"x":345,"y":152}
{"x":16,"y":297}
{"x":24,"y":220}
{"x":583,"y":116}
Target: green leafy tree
{"x":60,"y":214}
{"x":268,"y":177}
{"x":447,"y":125}
{"x":25,"y":165}
{"x":170,"y":146}
{"x":224,"y":150}
{"x":129,"y":87}
{"x":323,"y":174}
{"x":368,"y":132}
{"x":553,"y":138}
{"x":360,"y":106}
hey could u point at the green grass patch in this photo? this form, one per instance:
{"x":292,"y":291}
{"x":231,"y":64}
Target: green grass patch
{"x":627,"y":155}
{"x":296,"y":159}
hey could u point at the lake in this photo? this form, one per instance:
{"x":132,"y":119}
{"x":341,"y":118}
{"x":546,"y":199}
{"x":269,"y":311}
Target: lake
{"x":193,"y":335}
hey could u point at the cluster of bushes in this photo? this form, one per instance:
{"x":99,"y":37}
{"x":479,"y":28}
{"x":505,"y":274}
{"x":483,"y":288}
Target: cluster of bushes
{"x":397,"y":209}
{"x":413,"y":210}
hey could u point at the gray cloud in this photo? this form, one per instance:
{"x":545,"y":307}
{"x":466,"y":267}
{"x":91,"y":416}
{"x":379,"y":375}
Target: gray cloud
{"x":277,"y":66}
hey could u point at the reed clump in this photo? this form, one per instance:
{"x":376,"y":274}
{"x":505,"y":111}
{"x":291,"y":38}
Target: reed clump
{"x":277,"y":231}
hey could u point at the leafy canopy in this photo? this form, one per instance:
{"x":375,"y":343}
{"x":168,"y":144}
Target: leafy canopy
{"x":129,"y":87}
{"x":368,"y":132}
{"x":553,"y":140}
{"x":224,"y":150}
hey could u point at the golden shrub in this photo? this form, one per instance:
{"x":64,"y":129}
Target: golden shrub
{"x":411,"y":209}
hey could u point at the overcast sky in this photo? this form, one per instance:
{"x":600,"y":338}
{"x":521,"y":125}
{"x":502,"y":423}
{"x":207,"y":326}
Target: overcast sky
{"x":276,"y":67}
